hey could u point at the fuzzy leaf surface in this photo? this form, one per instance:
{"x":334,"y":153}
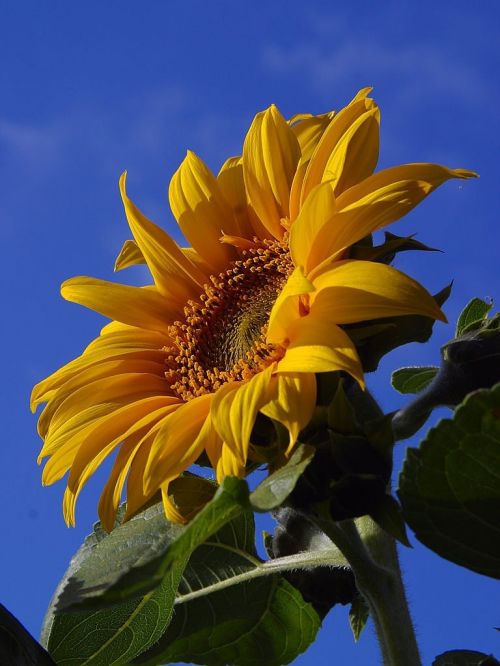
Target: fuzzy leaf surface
{"x":113,"y":633}
{"x":450,"y":486}
{"x":255,"y":621}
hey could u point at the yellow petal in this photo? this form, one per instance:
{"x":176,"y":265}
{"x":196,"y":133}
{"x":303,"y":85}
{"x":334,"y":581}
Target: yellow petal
{"x":318,"y":345}
{"x":119,"y":417}
{"x":229,"y":464}
{"x":292,"y":402}
{"x":427,"y":176}
{"x":137,"y":306}
{"x":178,"y":443}
{"x":234,"y":411}
{"x":90,"y":374}
{"x":47,"y":388}
{"x":286,"y":308}
{"x":98,"y":442}
{"x":317,"y":211}
{"x":338,"y":127}
{"x":201,"y":211}
{"x":232,"y":187}
{"x":130,"y":255}
{"x":355,"y":156}
{"x":110,"y":498}
{"x":173,"y":273}
{"x":106,"y":390}
{"x":309,"y":131}
{"x":271,"y":154}
{"x":354,"y":291}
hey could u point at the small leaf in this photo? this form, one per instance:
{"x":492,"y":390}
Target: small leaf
{"x":17,"y":646}
{"x":274,"y":490}
{"x":358,"y":616}
{"x":464,"y":658}
{"x":389,"y":516}
{"x":450,"y":486}
{"x":474,"y":312}
{"x":413,"y":379}
{"x":256,"y":621}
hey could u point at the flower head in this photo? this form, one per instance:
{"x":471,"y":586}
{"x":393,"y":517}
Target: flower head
{"x":242,"y":320}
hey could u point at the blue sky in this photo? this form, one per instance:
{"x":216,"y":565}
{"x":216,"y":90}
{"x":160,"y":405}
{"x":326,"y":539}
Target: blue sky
{"x":90,"y":89}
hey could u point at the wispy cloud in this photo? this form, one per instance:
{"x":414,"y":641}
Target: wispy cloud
{"x":332,"y":56}
{"x":33,"y":146}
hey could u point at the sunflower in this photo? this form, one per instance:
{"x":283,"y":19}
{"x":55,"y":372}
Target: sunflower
{"x":241,"y":321}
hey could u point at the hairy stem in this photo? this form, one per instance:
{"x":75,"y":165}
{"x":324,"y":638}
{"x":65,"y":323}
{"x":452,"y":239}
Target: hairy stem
{"x":373,"y":558}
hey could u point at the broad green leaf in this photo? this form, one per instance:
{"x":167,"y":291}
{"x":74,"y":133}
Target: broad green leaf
{"x":274,"y":490}
{"x":17,"y":646}
{"x":121,"y":586}
{"x":475,"y":312}
{"x":413,"y":379}
{"x":450,"y":486}
{"x":159,"y":547}
{"x":216,"y":622}
{"x":464,"y":658}
{"x":117,"y":633}
{"x":358,"y":616}
{"x":377,"y":338}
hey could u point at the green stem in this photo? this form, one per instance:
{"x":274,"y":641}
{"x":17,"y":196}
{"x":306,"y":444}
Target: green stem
{"x":372,"y":555}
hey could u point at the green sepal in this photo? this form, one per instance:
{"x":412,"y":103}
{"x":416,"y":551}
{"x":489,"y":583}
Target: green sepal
{"x":358,"y":616}
{"x":389,"y":516}
{"x":386,"y":252}
{"x":274,"y":490}
{"x":375,"y":339}
{"x":341,"y":416}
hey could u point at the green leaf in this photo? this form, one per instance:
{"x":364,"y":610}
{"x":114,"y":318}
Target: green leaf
{"x":375,"y":339}
{"x":17,"y":646}
{"x":464,"y":658}
{"x":117,"y":633}
{"x":358,"y":616}
{"x":120,"y":588}
{"x":258,"y":621}
{"x":413,"y":379}
{"x":450,"y":486}
{"x":274,"y":490}
{"x":158,"y":549}
{"x":474,"y":313}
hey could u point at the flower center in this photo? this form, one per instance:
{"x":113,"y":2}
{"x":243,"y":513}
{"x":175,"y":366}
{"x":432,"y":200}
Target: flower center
{"x":223,"y":335}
